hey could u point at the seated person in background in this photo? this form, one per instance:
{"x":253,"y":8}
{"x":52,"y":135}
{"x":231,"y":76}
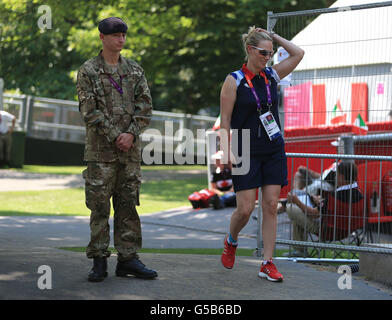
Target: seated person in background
{"x":305,"y":209}
{"x":222,"y":184}
{"x":312,"y":182}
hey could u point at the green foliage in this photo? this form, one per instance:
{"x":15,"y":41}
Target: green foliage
{"x":40,"y":62}
{"x":185,"y":47}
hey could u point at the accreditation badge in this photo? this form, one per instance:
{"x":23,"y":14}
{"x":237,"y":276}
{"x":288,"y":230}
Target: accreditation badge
{"x":270,"y":125}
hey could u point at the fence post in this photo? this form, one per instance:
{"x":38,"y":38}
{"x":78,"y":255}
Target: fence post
{"x":259,"y":242}
{"x":29,"y":115}
{"x":348,"y":145}
{"x":23,"y":113}
{"x":188,"y":122}
{"x":1,"y":93}
{"x":270,"y":21}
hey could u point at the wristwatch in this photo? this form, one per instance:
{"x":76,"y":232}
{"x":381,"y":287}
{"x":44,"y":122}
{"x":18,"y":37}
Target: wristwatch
{"x":272,"y":33}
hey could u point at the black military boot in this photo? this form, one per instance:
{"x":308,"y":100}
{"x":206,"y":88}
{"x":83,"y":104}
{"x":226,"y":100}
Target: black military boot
{"x":99,"y":271}
{"x":135,"y":268}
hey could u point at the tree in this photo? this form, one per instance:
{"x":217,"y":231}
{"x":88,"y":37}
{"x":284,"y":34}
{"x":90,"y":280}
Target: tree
{"x":185,"y":47}
{"x":36,"y":61}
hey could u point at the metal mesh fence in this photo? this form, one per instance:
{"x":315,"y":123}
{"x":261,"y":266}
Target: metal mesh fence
{"x":60,"y":120}
{"x":337,"y":106}
{"x":343,"y":85}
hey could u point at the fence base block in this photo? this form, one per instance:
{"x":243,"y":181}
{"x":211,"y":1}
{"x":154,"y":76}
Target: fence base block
{"x":376,"y":266}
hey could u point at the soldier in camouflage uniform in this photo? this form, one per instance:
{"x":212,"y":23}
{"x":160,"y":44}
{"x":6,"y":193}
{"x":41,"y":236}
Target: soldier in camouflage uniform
{"x":116,"y":106}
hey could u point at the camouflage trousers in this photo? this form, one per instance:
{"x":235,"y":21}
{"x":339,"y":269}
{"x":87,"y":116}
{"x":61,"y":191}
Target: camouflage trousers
{"x":121,"y":183}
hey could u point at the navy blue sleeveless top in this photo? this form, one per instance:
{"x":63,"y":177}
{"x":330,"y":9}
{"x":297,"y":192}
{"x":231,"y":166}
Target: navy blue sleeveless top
{"x":246,"y":116}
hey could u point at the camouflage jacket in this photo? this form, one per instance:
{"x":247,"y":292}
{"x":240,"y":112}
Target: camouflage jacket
{"x":107,"y":113}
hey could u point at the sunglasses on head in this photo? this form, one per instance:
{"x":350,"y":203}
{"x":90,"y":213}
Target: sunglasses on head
{"x":264,"y":52}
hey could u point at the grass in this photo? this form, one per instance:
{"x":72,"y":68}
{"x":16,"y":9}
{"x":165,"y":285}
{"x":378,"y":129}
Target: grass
{"x":334,"y":254}
{"x":154,"y":196}
{"x":239,"y":252}
{"x":67,"y":170}
{"x":62,"y":170}
{"x":208,"y":251}
{"x":51,"y":202}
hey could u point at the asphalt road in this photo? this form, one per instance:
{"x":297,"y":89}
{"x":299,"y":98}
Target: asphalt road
{"x":30,"y":242}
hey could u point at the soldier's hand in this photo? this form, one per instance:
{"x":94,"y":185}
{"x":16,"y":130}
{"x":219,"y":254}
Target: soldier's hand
{"x":125,"y":141}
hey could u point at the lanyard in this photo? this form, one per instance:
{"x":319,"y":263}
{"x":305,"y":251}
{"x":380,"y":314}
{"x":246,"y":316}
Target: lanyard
{"x":115,"y":84}
{"x":268,"y":87}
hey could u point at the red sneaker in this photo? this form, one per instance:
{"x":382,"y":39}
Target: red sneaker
{"x":228,"y":255}
{"x":270,"y":272}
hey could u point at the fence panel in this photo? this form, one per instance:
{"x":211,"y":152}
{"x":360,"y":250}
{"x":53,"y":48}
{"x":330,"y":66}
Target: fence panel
{"x":337,"y":105}
{"x":343,"y":85}
{"x":345,"y":223}
{"x":60,"y":120}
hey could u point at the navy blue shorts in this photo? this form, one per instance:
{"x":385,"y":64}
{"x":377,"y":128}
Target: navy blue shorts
{"x":269,"y":169}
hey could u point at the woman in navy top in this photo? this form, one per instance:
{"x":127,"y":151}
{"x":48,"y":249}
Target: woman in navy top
{"x":249,"y":104}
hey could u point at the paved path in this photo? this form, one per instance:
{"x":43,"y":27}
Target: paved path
{"x":26,"y":243}
{"x":181,"y":277}
{"x":20,"y":181}
{"x":30,"y":242}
